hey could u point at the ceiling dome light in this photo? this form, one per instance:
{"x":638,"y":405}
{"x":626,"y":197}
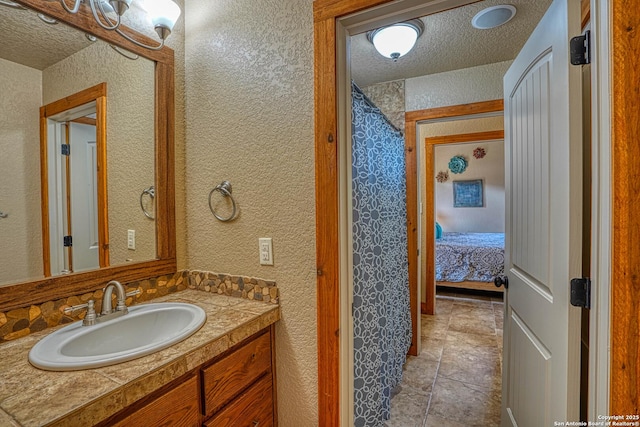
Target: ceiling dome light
{"x":396,"y":40}
{"x":493,"y":16}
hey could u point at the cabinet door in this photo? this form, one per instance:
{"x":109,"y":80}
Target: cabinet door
{"x":230,"y":375}
{"x":177,"y":408}
{"x":253,"y":408}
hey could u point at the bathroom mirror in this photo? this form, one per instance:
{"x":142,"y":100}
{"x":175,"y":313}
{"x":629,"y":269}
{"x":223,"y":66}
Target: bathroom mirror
{"x":139,"y":152}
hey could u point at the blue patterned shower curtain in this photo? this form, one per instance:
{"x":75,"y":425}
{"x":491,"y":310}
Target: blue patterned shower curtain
{"x":381,"y":318}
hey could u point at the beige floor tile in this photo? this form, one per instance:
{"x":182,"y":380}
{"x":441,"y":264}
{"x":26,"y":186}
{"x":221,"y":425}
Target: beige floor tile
{"x":478,"y":302}
{"x":436,"y":421}
{"x":472,"y":310}
{"x":443,"y":306}
{"x":465,"y":403}
{"x":464,"y":341}
{"x":461,"y":355}
{"x":432,"y":327}
{"x":481,"y":371}
{"x":408,"y":407}
{"x":419,"y":374}
{"x":482,"y":325}
{"x":498,"y":311}
{"x":432,"y":348}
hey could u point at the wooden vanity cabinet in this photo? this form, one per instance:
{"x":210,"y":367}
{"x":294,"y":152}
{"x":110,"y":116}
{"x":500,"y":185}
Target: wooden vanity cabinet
{"x":177,"y":407}
{"x":234,"y":389}
{"x":239,"y":386}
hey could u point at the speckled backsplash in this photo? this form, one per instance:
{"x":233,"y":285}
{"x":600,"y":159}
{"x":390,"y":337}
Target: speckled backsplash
{"x":23,"y":321}
{"x":234,"y":286}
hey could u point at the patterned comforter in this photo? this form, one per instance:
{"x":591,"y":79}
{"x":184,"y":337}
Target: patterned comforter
{"x":477,"y":257}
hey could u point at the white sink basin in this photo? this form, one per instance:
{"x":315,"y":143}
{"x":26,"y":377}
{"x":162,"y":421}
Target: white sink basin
{"x":144,"y":330}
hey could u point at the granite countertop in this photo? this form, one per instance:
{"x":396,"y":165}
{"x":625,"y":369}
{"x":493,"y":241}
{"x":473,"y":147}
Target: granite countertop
{"x":33,"y":397}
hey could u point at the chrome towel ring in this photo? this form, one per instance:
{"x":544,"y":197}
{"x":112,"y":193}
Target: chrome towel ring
{"x":225,"y":188}
{"x":151,"y":192}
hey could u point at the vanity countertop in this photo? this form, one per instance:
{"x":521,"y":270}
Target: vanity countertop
{"x":33,"y":397}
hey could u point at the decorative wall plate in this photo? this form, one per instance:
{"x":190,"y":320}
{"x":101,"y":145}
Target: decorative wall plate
{"x":442,"y":176}
{"x":458,"y":164}
{"x":479,"y":153}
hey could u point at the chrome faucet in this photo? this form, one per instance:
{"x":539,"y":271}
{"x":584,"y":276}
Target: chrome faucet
{"x":121,"y":306}
{"x":107,"y":312}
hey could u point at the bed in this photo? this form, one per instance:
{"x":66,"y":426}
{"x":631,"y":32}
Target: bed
{"x":469,"y":260}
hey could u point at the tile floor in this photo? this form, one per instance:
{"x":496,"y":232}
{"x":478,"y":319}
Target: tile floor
{"x":456,"y":380}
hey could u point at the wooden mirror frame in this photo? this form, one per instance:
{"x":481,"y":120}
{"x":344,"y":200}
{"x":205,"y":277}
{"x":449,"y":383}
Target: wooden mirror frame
{"x":23,"y":294}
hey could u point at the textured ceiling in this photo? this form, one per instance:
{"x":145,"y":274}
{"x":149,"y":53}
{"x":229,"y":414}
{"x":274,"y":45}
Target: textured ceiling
{"x":449,"y":42}
{"x":28,"y":41}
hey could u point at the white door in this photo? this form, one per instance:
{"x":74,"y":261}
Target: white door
{"x":542,"y":95}
{"x":84,"y":196}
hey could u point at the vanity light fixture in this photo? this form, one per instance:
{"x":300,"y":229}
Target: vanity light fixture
{"x":108,"y":13}
{"x":396,"y":40}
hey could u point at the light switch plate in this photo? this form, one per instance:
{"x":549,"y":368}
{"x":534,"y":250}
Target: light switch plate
{"x":131,"y":239}
{"x":266,"y":250}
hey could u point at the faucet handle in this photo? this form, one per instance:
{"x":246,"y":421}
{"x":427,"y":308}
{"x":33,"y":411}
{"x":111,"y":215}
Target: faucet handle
{"x":133,"y":293}
{"x":90,"y":317}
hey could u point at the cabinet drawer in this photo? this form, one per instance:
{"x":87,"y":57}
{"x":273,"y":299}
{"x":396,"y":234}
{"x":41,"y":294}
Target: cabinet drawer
{"x":178,"y":407}
{"x":254,"y":408}
{"x":230,"y":375}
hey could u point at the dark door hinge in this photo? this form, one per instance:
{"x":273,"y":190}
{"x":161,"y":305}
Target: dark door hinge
{"x":66,"y":149}
{"x":581,"y":292}
{"x":580,"y":49}
{"x":67,"y":241}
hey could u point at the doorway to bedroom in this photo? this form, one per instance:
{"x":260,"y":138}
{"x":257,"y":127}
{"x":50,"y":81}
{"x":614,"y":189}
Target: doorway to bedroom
{"x":462,"y":185}
{"x":457,"y":377}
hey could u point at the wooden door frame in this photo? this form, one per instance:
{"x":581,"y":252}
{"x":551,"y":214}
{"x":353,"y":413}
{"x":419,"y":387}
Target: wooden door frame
{"x":620,"y":33}
{"x":97,"y":94}
{"x":412,"y":120}
{"x":624,"y":386}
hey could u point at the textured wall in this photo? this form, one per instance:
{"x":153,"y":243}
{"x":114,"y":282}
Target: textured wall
{"x":130,"y":137}
{"x":389,"y":98}
{"x":488,"y":219}
{"x":456,"y":87}
{"x":20,"y":232}
{"x":249,"y":109}
{"x":177,"y":42}
{"x":454,"y":127}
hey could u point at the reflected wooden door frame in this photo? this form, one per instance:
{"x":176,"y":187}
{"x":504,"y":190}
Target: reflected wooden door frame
{"x":97,"y":93}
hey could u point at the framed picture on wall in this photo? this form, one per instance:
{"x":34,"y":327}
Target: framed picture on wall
{"x":468,"y":194}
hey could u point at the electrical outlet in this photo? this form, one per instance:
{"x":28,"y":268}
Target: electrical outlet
{"x":266,"y":250}
{"x":131,"y":239}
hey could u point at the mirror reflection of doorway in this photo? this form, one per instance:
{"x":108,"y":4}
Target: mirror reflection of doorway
{"x":73,"y":173}
{"x":74,"y":183}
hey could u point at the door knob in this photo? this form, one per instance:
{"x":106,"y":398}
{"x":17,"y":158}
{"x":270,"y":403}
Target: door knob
{"x":501,"y":280}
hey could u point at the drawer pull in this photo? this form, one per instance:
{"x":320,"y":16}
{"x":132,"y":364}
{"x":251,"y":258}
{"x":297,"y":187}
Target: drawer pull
{"x":255,"y":423}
